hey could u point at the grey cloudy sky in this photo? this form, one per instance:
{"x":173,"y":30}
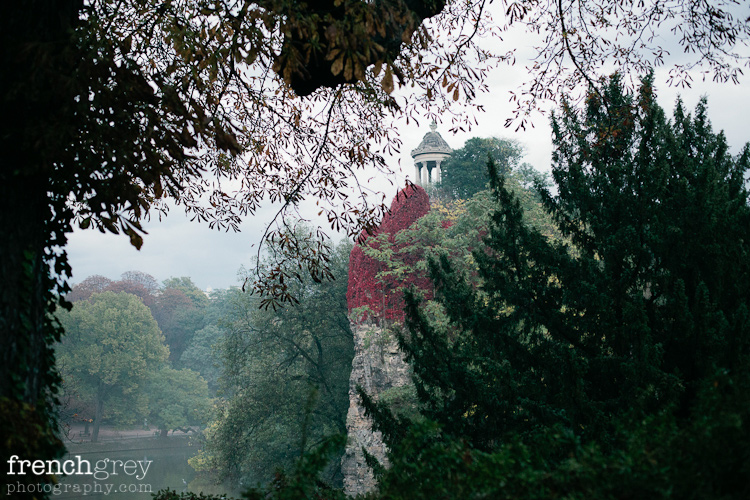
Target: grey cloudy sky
{"x":176,"y":246}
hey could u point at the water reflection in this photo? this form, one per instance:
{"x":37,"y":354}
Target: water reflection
{"x":131,"y":469}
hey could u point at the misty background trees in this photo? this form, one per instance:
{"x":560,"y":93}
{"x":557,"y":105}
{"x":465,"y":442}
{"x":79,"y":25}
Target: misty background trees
{"x":117,"y":364}
{"x":267,"y":385}
{"x":285,"y":381}
{"x":113,"y":347}
{"x":464,"y":173}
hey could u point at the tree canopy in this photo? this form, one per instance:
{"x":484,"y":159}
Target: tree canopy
{"x":370,"y":293}
{"x":464,"y":172}
{"x":177,"y":399}
{"x":285,"y":381}
{"x":112,"y":347}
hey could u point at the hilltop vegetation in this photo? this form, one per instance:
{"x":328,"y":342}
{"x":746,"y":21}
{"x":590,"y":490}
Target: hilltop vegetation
{"x":592,"y":341}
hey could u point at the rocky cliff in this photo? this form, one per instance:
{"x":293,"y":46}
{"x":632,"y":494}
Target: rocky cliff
{"x":377,"y":366}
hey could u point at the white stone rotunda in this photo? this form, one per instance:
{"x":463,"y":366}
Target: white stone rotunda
{"x":428,"y":156}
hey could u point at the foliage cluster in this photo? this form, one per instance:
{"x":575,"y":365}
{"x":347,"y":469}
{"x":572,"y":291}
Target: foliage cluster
{"x":380,"y":297}
{"x":118,"y":367}
{"x":285,"y":381}
{"x":392,"y":260}
{"x":463,"y":173}
{"x":612,"y":362}
{"x":279,"y":370}
{"x":659,"y":458}
{"x":178,"y":305}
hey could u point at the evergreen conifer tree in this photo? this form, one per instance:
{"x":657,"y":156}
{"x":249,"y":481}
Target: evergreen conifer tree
{"x":638,"y":313}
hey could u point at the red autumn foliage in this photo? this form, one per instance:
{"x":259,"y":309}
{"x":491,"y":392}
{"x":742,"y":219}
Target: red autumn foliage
{"x":134,"y":288}
{"x":86,"y":288}
{"x":384,"y":297}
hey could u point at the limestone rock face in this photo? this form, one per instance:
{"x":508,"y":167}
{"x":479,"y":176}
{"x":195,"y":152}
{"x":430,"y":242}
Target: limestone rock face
{"x":378,"y":365}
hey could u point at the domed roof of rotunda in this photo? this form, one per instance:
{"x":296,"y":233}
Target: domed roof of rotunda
{"x":432,"y":142}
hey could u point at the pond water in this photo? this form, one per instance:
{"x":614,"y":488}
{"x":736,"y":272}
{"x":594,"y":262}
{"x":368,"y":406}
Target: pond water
{"x":131,"y":469}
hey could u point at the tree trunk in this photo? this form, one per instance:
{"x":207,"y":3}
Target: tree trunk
{"x":33,"y":36}
{"x":23,"y":303}
{"x":98,"y":417}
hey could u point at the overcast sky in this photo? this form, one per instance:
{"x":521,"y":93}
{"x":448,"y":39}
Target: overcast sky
{"x":176,"y":246}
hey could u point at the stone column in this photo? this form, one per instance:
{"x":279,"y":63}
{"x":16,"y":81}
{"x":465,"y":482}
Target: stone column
{"x":417,"y":173}
{"x":438,"y":171}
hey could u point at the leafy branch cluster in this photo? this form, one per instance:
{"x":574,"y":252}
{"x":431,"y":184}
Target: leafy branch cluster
{"x":285,"y":379}
{"x":371,"y":289}
{"x":395,"y":258}
{"x":582,"y":40}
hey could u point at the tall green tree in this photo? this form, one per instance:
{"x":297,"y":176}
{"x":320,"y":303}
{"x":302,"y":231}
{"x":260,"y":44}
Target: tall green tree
{"x":203,"y":352}
{"x":202,"y":355}
{"x":285,"y":381}
{"x":464,"y":173}
{"x":630,"y":329}
{"x":113,"y":345}
{"x":179,"y":309}
{"x":177,"y":399}
{"x":197,"y":296}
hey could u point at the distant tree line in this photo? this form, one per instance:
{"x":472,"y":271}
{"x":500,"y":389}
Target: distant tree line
{"x":125,"y":359}
{"x":284,"y":387}
{"x":260,"y":386}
